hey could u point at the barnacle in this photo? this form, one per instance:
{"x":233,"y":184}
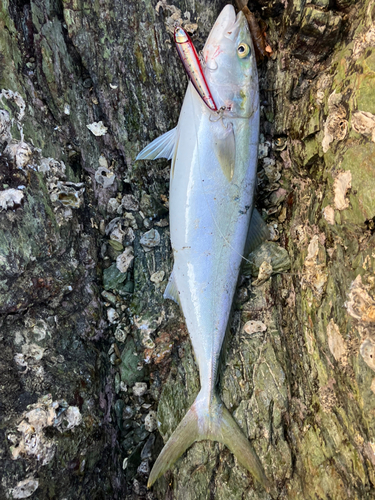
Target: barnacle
{"x":69,"y":194}
{"x":340,"y":187}
{"x":336,"y":126}
{"x":315,"y":273}
{"x":4,"y":125}
{"x":97,"y":128}
{"x":105,"y":177}
{"x":336,"y":343}
{"x":10,"y":198}
{"x":361,"y":305}
{"x":45,"y":413}
{"x":124,"y":260}
{"x":364,"y":123}
{"x":367,"y":351}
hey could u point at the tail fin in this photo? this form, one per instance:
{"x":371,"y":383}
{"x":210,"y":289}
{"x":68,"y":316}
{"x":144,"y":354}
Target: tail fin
{"x":216,"y":424}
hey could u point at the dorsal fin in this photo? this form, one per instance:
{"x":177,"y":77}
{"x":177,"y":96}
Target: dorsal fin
{"x":162,"y":147}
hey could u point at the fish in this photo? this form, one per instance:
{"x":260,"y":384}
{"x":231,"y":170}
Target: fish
{"x":213,"y":224}
{"x":190,"y":60}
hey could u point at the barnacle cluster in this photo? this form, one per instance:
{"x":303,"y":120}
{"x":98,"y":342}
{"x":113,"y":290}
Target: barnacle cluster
{"x":31,"y":439}
{"x":64,"y":195}
{"x":19,"y":158}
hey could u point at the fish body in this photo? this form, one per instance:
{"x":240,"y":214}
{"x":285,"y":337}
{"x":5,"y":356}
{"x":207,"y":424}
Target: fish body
{"x":213,"y":178}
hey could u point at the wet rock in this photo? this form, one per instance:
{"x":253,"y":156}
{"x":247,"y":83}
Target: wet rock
{"x":110,"y":297}
{"x":283,"y":417}
{"x":128,"y":412}
{"x":141,"y":433}
{"x":151,"y":207}
{"x":278,"y":196}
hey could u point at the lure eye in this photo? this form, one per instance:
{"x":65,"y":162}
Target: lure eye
{"x":243,"y":50}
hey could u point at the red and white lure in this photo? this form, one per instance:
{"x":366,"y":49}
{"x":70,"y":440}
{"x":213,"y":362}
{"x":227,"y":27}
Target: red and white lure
{"x":192,"y":64}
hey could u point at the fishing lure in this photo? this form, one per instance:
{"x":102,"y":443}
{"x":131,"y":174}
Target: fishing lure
{"x":193,"y":68}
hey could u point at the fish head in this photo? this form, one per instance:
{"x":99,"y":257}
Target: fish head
{"x":230,"y":65}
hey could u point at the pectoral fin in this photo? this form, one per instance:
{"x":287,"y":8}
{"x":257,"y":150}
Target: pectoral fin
{"x":162,"y":147}
{"x":225,"y":148}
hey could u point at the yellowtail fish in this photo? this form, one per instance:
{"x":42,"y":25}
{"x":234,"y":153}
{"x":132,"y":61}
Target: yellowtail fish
{"x":192,"y":64}
{"x":213,"y":224}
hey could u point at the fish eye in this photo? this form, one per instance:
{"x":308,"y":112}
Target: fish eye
{"x":243,"y":50}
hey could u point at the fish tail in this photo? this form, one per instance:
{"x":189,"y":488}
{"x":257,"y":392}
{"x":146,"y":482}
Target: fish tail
{"x":213,"y":422}
{"x":182,"y":438}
